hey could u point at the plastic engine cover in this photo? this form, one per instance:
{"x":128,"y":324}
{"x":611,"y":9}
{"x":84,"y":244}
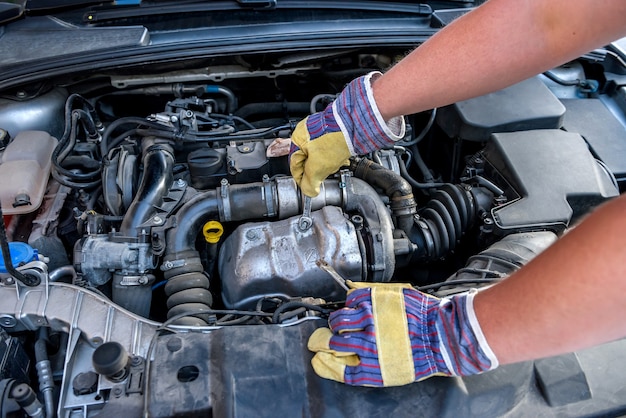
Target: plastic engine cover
{"x":554,"y":175}
{"x":523,"y":106}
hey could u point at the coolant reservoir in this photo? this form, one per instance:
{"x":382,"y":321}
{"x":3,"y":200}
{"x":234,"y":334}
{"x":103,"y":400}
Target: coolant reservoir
{"x":24,"y":170}
{"x":20,"y":253}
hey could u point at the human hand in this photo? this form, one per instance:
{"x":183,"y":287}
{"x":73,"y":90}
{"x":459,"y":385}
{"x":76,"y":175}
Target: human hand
{"x":390,"y":334}
{"x":351,"y":125}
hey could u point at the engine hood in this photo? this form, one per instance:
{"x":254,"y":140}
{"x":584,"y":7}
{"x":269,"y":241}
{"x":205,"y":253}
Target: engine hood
{"x":64,"y":37}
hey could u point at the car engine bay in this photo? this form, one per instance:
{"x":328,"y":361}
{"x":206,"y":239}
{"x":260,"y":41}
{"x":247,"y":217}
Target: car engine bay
{"x":150,"y":211}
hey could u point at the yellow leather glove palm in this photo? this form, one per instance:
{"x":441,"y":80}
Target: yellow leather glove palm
{"x":313,"y":161}
{"x":351,"y":125}
{"x":390,"y":335}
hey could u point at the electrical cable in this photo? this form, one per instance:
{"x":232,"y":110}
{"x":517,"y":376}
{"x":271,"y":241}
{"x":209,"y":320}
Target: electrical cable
{"x":422,"y":134}
{"x":104,"y":143}
{"x":64,"y":148}
{"x":234,"y":118}
{"x":25,"y":279}
{"x":296,"y":304}
{"x":405,"y":174}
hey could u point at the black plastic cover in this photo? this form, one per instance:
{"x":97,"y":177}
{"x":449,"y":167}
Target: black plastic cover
{"x":523,"y":106}
{"x":48,"y":38}
{"x":555,"y":177}
{"x":561,"y":380}
{"x":265,"y":371}
{"x":604,"y":133}
{"x":14,"y":362}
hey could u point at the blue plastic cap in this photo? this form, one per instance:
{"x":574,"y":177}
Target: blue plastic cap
{"x":20,"y":253}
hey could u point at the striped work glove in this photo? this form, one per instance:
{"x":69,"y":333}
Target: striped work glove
{"x":349,"y":126}
{"x":391,"y":334}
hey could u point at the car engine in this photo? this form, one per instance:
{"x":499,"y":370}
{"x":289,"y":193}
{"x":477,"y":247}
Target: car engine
{"x":147,"y":212}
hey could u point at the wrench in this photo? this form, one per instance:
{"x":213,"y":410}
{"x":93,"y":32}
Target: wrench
{"x":305,"y":222}
{"x":333,"y":273}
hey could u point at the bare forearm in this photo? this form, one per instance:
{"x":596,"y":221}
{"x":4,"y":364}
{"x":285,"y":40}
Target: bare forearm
{"x":498,"y":44}
{"x":569,"y":297}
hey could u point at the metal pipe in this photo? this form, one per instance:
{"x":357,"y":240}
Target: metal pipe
{"x":61,"y":272}
{"x":362,"y":198}
{"x":281,"y":199}
{"x":241,"y":202}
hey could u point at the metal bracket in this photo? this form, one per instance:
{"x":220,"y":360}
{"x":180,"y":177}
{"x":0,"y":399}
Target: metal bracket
{"x":170,"y":203}
{"x":224,"y":201}
{"x":268,"y":196}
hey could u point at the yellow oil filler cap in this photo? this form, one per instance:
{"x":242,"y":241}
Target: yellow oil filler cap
{"x":212,"y":231}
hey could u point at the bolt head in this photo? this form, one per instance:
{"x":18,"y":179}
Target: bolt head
{"x":252,"y":234}
{"x":8,"y":321}
{"x":174,"y":344}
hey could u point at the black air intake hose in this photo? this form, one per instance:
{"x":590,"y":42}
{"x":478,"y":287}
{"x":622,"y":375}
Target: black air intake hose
{"x":496,"y":262}
{"x":444,"y":220}
{"x":187,"y":289}
{"x":398,"y":190}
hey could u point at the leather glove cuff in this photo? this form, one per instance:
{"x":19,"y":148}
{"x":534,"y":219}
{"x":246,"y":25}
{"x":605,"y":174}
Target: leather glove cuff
{"x":360,"y":121}
{"x":460,"y":340}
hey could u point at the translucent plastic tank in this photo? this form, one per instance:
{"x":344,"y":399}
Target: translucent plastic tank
{"x":24,"y":171}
